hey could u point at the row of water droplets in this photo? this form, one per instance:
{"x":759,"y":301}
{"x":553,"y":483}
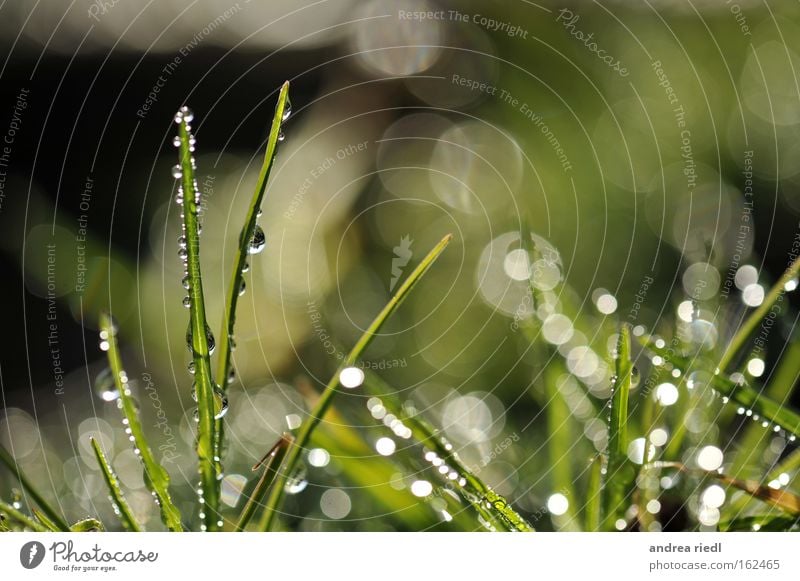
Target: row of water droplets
{"x":106,"y":386}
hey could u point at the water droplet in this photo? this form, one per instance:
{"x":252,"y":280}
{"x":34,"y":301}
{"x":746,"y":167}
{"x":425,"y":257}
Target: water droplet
{"x":246,"y":267}
{"x":258,"y":241}
{"x":231,"y":377}
{"x":185,"y":282}
{"x":209,"y":339}
{"x":287,"y":110}
{"x":297,"y":482}
{"x":281,"y":136}
{"x":636,"y":377}
{"x":183,"y":254}
{"x":177,"y":172}
{"x":242,"y":288}
{"x":181,"y":241}
{"x":187,"y":302}
{"x":220,"y":403}
{"x":190,"y":367}
{"x":104,"y":385}
{"x":176,"y":141}
{"x":187,"y":114}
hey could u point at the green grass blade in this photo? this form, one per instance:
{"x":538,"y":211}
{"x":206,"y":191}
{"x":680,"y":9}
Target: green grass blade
{"x":325,"y":399}
{"x":87,"y":525}
{"x":38,"y":499}
{"x":560,"y":438}
{"x":121,"y":506}
{"x":208,"y":460}
{"x":282,"y":110}
{"x":486,"y":501}
{"x":751,"y":323}
{"x":47,"y":523}
{"x":271,"y":463}
{"x":237,"y":275}
{"x":620,"y":472}
{"x":742,"y":394}
{"x":21,"y":518}
{"x":156,"y":476}
{"x":594,"y":495}
{"x":762,"y":523}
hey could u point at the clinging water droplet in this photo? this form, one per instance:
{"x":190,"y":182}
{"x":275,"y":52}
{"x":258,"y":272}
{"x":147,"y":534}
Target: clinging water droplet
{"x":104,"y":385}
{"x":220,"y":403}
{"x":281,"y":136}
{"x":187,"y":114}
{"x":177,"y":172}
{"x":242,"y":288}
{"x":187,"y":301}
{"x":257,"y":242}
{"x":176,"y":141}
{"x":209,"y":339}
{"x":297,"y":482}
{"x":287,"y":110}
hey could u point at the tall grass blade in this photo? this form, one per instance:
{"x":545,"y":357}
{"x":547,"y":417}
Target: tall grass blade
{"x":324,"y":402}
{"x":198,"y":334}
{"x":282,"y":111}
{"x":47,"y":523}
{"x":751,"y":323}
{"x":491,"y":505}
{"x":121,"y":507}
{"x":741,"y":393}
{"x":620,"y":473}
{"x":156,"y":477}
{"x":46,"y":508}
{"x":21,"y":518}
{"x":594,"y":495}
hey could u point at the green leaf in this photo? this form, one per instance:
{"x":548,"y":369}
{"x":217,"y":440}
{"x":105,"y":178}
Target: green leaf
{"x":156,"y":477}
{"x":45,"y":506}
{"x":21,"y":518}
{"x":47,"y":523}
{"x":121,"y":506}
{"x":594,"y":495}
{"x":205,"y":388}
{"x":324,"y":402}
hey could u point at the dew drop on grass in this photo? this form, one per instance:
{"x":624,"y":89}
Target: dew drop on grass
{"x":176,"y":141}
{"x":281,"y":136}
{"x":183,"y":254}
{"x":185,"y":282}
{"x":220,"y":403}
{"x":297,"y":481}
{"x":209,"y":339}
{"x":190,"y":367}
{"x":177,"y":172}
{"x":246,"y":267}
{"x":258,"y":241}
{"x":287,"y":110}
{"x":187,"y":302}
{"x":104,"y":385}
{"x":187,"y":114}
{"x":231,"y":377}
{"x":636,"y":377}
{"x":242,"y":288}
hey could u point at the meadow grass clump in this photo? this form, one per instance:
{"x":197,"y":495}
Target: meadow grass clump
{"x":649,"y":455}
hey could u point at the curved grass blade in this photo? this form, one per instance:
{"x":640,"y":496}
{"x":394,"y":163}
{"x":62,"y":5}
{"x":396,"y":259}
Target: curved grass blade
{"x":325,"y":399}
{"x":47,"y":523}
{"x":156,"y":477}
{"x":205,"y":388}
{"x":762,"y":523}
{"x":88,"y":525}
{"x":742,"y":394}
{"x":21,"y":518}
{"x":594,"y":495}
{"x":121,"y":506}
{"x":271,"y":463}
{"x":620,"y":472}
{"x":45,"y":506}
{"x":749,"y":326}
{"x":492,"y":506}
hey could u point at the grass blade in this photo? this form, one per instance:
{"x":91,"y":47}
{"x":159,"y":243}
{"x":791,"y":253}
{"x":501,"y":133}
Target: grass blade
{"x":282,"y":111}
{"x":237,"y":275}
{"x":763,"y":523}
{"x":47,"y":523}
{"x":330,"y":390}
{"x":271,"y":463}
{"x":486,"y":501}
{"x":88,"y":525}
{"x":156,"y":476}
{"x":743,"y":334}
{"x":594,"y":495}
{"x":121,"y":506}
{"x":620,"y":473}
{"x":742,"y":394}
{"x":21,"y":518}
{"x":45,"y":506}
{"x":198,"y":334}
